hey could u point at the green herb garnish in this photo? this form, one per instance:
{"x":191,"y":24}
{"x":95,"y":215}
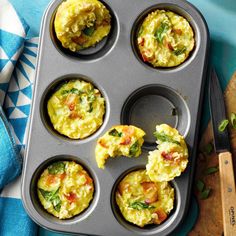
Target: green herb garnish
{"x":52,"y":196}
{"x":165,"y":138}
{"x":233,"y":120}
{"x":211,"y":170}
{"x":223,"y":124}
{"x":159,"y":35}
{"x":115,"y":133}
{"x":134,"y":149}
{"x":73,"y":90}
{"x":200,"y":185}
{"x":140,"y":206}
{"x":56,"y":168}
{"x":180,"y":51}
{"x":90,"y":108}
{"x":205,"y":193}
{"x":89,"y":31}
{"x":208,"y":149}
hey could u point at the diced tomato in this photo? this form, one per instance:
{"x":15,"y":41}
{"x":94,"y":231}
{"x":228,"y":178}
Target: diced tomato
{"x":167,"y":156}
{"x":71,"y":197}
{"x":79,"y":40}
{"x":62,"y":176}
{"x":145,"y":58}
{"x":122,"y":187}
{"x":88,"y":180}
{"x":161,"y":216}
{"x":141,"y":41}
{"x":177,"y":31}
{"x":74,"y":115}
{"x":150,"y":192}
{"x":170,"y":46}
{"x":71,"y":101}
{"x":125,"y":140}
{"x":51,"y":179}
{"x":128,"y":130}
{"x":102,"y":143}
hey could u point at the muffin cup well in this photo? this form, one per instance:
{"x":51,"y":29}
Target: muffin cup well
{"x":53,"y":87}
{"x":155,"y":104}
{"x":92,"y":53}
{"x":37,"y":204}
{"x":173,"y":8}
{"x":151,"y":229}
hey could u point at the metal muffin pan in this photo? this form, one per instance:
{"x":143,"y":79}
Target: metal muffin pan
{"x":135,"y":93}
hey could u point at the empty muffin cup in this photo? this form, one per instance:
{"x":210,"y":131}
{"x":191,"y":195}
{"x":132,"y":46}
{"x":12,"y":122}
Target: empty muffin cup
{"x":155,"y":104}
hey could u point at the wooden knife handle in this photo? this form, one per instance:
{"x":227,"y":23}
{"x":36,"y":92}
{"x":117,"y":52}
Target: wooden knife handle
{"x":228,"y":194}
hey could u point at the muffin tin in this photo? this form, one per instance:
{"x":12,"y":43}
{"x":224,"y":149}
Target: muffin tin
{"x":135,"y":93}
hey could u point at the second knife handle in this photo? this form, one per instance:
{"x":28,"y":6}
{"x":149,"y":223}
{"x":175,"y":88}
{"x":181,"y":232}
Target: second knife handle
{"x":228,"y":194}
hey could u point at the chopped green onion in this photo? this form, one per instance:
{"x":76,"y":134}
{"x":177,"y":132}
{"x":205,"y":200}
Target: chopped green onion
{"x":200,"y":185}
{"x":134,"y":149}
{"x":205,"y":194}
{"x":89,"y":31}
{"x":165,"y":138}
{"x":180,"y":51}
{"x":211,"y":170}
{"x":90,"y":108}
{"x":73,"y":90}
{"x":233,"y":120}
{"x":56,"y":168}
{"x":140,"y":206}
{"x":115,"y":133}
{"x":208,"y":148}
{"x":159,"y":35}
{"x":223,"y":124}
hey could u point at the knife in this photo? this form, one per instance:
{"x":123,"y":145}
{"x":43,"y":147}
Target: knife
{"x":222,"y":148}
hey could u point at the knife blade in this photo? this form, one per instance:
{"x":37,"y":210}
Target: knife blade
{"x":222,"y":148}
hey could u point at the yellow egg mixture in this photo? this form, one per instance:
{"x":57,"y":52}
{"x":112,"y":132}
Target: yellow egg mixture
{"x":142,"y":201}
{"x":65,"y":189}
{"x":76,"y":109}
{"x":81,"y":24}
{"x":171,"y":157}
{"x":165,"y":39}
{"x":120,"y":140}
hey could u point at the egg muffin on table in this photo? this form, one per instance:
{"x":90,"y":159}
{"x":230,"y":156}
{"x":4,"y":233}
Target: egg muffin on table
{"x":81,"y":24}
{"x":65,"y":189}
{"x":142,"y":201}
{"x":120,"y":140}
{"x":76,"y":109}
{"x":165,"y":39}
{"x":171,"y":157}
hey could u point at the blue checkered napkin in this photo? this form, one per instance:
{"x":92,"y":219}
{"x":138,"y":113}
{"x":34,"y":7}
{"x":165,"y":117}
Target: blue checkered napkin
{"x":13,"y":30}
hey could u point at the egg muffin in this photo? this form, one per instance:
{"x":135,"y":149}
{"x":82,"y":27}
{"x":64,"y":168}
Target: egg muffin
{"x":142,"y":201}
{"x":65,"y":189}
{"x":165,"y":39}
{"x":81,"y":24}
{"x":76,"y":109}
{"x":120,"y":140}
{"x":171,"y":157}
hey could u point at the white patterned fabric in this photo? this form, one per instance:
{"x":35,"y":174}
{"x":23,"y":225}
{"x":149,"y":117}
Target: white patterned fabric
{"x":13,"y":31}
{"x":18,"y":98}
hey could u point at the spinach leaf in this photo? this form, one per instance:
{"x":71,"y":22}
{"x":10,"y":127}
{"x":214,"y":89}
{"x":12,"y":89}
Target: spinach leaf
{"x":140,"y":205}
{"x":159,"y":35}
{"x":47,"y":195}
{"x":134,"y":149}
{"x":90,"y":108}
{"x":180,"y":51}
{"x":165,"y":138}
{"x":52,"y":196}
{"x":115,"y":133}
{"x":89,"y":31}
{"x":56,"y":168}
